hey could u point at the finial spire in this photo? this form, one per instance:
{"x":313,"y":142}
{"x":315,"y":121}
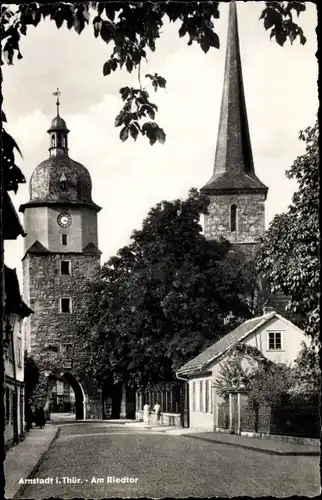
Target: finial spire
{"x":233,"y":167}
{"x":57,"y":94}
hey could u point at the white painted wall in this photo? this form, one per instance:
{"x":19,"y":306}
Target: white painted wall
{"x":292,"y":337}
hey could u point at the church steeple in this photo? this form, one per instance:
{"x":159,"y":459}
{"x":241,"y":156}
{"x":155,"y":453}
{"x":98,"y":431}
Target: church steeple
{"x":236,"y":210}
{"x":58,"y":132}
{"x":234,"y":166}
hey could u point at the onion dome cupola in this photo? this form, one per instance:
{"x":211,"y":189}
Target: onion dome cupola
{"x":59,"y":179}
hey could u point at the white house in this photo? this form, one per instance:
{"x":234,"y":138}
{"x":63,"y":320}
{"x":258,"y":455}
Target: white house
{"x":277,"y":338}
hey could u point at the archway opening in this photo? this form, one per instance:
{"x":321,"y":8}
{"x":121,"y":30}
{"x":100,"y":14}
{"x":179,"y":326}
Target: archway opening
{"x":66,"y":397}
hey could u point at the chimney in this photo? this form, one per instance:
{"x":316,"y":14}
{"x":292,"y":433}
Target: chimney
{"x":268,"y":309}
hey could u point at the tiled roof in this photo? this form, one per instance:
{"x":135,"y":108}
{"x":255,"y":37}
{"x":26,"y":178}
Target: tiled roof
{"x":205,"y":357}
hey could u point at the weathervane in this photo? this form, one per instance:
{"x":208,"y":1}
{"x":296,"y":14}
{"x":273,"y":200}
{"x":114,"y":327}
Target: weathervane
{"x":57,"y":94}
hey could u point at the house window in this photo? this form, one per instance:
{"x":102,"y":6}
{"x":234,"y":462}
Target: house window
{"x":207,"y":396}
{"x":7,"y":408}
{"x":60,"y":388}
{"x":194,"y":396}
{"x":64,"y":239}
{"x":201,"y":408}
{"x":65,"y":305}
{"x":274,"y":341}
{"x":233,"y":218}
{"x":65,"y":267}
{"x":19,"y":352}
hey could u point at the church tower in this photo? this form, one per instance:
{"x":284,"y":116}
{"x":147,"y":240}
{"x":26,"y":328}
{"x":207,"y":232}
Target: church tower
{"x":61,"y":249}
{"x":237,"y":196}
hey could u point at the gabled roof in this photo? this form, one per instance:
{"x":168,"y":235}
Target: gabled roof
{"x":13,"y":301}
{"x":11,"y":225}
{"x":91,"y":248}
{"x":37,"y":247}
{"x":218,"y":348}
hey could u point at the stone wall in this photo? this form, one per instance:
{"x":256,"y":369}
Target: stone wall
{"x":250,"y":217}
{"x":44,"y":286}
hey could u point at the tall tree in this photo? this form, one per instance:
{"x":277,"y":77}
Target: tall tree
{"x":289,"y":256}
{"x":163,"y":298}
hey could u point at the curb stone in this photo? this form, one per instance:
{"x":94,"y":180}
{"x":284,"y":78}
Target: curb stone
{"x":254,"y":448}
{"x":33,"y":471}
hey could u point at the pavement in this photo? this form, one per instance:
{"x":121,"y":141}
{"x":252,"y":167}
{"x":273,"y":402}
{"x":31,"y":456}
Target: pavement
{"x":24,"y":460}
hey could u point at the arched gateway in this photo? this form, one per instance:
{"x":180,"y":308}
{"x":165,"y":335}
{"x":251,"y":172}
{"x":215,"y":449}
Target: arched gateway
{"x":61,"y":254}
{"x":69,"y":380}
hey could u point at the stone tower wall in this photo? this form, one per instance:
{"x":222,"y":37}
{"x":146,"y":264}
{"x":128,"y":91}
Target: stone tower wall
{"x":43,"y":288}
{"x":250,"y":218}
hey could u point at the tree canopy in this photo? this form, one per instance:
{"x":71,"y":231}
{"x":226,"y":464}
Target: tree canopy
{"x":289,"y":256}
{"x":131,"y":30}
{"x":163,"y":298}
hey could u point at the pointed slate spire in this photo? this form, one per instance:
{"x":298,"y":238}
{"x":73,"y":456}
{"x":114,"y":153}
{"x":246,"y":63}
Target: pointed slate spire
{"x":234,"y":166}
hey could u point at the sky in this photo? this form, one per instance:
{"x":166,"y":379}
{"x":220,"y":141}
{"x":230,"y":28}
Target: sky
{"x":129,"y":178}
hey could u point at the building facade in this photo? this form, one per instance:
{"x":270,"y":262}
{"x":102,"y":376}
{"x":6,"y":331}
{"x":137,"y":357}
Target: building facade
{"x":15,"y":311}
{"x":61,"y":254}
{"x":271,"y":334}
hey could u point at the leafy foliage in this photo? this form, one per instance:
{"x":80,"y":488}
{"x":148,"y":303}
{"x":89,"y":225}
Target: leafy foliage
{"x":241,"y":362}
{"x":289,"y":256}
{"x":161,"y":299}
{"x":12,"y":175}
{"x":270,"y":386}
{"x":131,"y":29}
{"x":136,"y":107}
{"x":267,"y":383}
{"x":307,"y":372}
{"x":31,"y":375}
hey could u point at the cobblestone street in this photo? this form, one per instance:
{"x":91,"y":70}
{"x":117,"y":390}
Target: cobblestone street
{"x":96,"y":460}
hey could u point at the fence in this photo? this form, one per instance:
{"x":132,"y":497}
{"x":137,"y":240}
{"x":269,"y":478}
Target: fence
{"x":223,"y":415}
{"x":296,"y":420}
{"x":173,"y":400}
{"x":299,"y":420}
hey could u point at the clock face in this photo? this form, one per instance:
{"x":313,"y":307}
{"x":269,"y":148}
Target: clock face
{"x":64,"y":220}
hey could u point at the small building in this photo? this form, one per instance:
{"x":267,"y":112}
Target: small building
{"x":15,"y":310}
{"x":275,"y":337}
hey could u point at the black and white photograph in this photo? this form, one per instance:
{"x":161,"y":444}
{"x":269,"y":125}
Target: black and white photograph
{"x":160,"y":267}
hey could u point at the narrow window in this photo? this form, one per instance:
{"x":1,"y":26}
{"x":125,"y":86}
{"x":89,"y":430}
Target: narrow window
{"x":7,"y":409}
{"x":63,"y":182}
{"x":58,"y":141}
{"x":19,"y":352}
{"x":274,"y":341}
{"x":64,"y":239}
{"x":194,"y":396}
{"x":233,"y":218}
{"x":53,"y":140}
{"x":64,"y":141}
{"x":65,"y":267}
{"x":201,"y":409}
{"x":207,"y":396}
{"x":65,"y":305}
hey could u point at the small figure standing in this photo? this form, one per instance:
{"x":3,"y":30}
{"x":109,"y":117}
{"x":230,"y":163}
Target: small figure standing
{"x":40,"y":417}
{"x":29,"y":415}
{"x":157,"y":410}
{"x":146,"y":414}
